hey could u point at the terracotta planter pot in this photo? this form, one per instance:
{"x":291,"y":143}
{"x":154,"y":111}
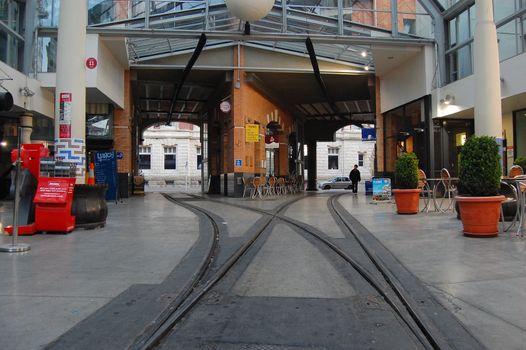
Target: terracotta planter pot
{"x":480,"y":215}
{"x":407,"y":201}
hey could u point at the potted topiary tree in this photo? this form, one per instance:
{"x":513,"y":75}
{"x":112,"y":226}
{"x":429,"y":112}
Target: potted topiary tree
{"x":407,"y":193}
{"x":521,"y":161}
{"x":479,"y":183}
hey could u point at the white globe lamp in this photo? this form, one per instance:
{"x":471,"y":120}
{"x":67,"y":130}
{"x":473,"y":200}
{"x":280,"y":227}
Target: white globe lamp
{"x":249,"y":10}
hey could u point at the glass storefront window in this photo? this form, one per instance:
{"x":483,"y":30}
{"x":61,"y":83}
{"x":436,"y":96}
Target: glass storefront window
{"x":405,"y":131}
{"x":99,"y":126}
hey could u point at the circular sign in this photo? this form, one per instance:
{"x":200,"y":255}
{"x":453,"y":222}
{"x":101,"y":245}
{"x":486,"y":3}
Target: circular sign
{"x":91,"y":63}
{"x":225,"y":106}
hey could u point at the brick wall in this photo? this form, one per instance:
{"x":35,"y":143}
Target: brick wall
{"x":252,"y":107}
{"x":122,"y":130}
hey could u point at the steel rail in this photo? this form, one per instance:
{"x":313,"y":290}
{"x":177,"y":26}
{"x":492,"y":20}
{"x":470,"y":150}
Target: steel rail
{"x":187,"y":290}
{"x":422,"y":333}
{"x":390,"y":279}
{"x":176,"y":314}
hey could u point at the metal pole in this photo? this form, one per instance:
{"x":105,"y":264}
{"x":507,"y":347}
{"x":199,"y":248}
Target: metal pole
{"x":16,"y":247}
{"x":147,"y":14}
{"x":394,"y":18}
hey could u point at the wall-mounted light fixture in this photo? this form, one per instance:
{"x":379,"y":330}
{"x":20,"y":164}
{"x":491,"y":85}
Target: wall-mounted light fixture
{"x":448,"y":100}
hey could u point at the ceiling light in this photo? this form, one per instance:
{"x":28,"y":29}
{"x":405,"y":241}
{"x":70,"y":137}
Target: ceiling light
{"x":366,"y":67}
{"x":448,"y":100}
{"x":3,"y":144}
{"x":364,"y":53}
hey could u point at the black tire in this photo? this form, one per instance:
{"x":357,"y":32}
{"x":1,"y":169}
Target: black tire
{"x":326,"y":187}
{"x":349,"y":187}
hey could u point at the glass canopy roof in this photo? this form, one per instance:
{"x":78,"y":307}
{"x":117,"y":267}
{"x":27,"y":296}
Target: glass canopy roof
{"x":283,"y":28}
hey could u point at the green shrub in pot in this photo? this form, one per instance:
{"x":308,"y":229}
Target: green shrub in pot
{"x":521,"y":161}
{"x":480,"y":168}
{"x":406,"y":171}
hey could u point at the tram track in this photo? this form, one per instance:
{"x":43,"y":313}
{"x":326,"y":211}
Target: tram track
{"x":185,"y":300}
{"x":425,"y":336}
{"x":395,"y":296}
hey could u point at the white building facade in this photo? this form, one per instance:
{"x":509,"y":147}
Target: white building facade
{"x":339,"y":157}
{"x":171,"y":156}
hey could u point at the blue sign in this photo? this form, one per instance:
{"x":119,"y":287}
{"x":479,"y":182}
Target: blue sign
{"x":368,"y":134}
{"x":381,"y":189}
{"x":239,"y":162}
{"x":106,"y":172}
{"x":120,"y":155}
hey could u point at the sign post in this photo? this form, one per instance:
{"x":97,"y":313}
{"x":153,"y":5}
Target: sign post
{"x":16,"y":247}
{"x":106,"y":172}
{"x":65,"y":115}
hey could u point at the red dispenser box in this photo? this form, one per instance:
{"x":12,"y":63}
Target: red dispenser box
{"x":30,"y":156}
{"x":53,"y":204}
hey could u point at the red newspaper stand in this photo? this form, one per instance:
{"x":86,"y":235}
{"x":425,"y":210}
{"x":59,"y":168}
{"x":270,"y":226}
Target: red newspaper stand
{"x":53,"y":204}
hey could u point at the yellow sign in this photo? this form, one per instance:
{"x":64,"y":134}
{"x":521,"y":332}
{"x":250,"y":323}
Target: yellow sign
{"x":251,"y":132}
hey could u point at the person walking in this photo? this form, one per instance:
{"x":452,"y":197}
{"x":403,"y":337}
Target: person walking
{"x":354,"y":175}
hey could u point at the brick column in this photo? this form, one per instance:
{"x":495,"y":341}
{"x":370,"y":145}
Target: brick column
{"x":122,"y":130}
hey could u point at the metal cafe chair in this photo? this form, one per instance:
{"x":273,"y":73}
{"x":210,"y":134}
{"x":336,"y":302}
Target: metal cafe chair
{"x":521,"y":190}
{"x":248,"y":186}
{"x":444,"y":192}
{"x":510,"y":206}
{"x":426,"y":192}
{"x":515,"y":170}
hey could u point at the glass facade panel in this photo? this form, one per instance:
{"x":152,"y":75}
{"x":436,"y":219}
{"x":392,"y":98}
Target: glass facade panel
{"x":509,"y":39}
{"x":47,"y":55}
{"x":463,"y":30}
{"x":48,"y":12}
{"x":511,"y":36}
{"x":465,"y":66}
{"x":11,"y":47}
{"x":503,"y":9}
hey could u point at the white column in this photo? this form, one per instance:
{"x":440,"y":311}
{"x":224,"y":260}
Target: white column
{"x":70,"y":115}
{"x":26,"y":119}
{"x":488,"y":111}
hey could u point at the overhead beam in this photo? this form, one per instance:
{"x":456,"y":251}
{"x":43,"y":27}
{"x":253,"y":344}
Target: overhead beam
{"x":198,"y":49}
{"x":239,"y":36}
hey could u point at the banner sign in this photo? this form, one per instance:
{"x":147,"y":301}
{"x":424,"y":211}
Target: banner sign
{"x":251,"y":132}
{"x":368,"y":134}
{"x":64,"y":119}
{"x":381,"y":189}
{"x":54,"y":189}
{"x":106,"y":172}
{"x":271,"y":141}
